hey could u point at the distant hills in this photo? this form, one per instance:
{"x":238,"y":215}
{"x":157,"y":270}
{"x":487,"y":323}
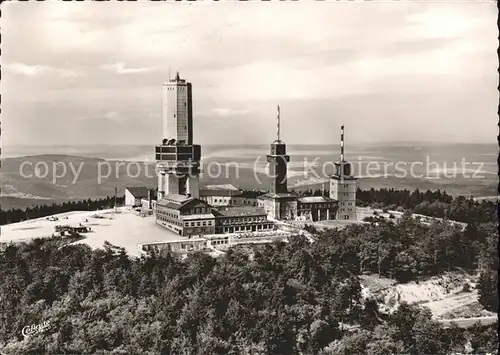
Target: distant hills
{"x":82,"y":181}
{"x":21,"y":187}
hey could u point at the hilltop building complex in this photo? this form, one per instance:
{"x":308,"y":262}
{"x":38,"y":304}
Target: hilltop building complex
{"x":185,"y":209}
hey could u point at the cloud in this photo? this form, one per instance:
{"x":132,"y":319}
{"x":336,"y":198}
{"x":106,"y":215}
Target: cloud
{"x":36,"y":70}
{"x":112,"y":115}
{"x":381,"y":66}
{"x":227,"y":112}
{"x":120,"y":68}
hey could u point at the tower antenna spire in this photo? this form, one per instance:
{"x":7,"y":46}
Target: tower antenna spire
{"x":115,"y":199}
{"x":342,"y":143}
{"x":278,"y":123}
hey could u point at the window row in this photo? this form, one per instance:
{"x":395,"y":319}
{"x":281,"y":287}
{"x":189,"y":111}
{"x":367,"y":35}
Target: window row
{"x":168,"y":220}
{"x":316,"y":205}
{"x":199,"y":223}
{"x":243,"y":219}
{"x":345,"y":209}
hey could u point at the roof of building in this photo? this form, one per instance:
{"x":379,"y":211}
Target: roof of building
{"x":138,"y":191}
{"x":336,"y":177}
{"x":315,"y":199}
{"x":270,"y":196}
{"x":174,"y":201}
{"x":198,"y":216}
{"x":217,"y":193}
{"x":219,"y":190}
{"x":187,"y":240}
{"x":177,"y":198}
{"x":250,"y":194}
{"x":171,"y":205}
{"x":239,"y":211}
{"x":221,"y":187}
{"x":178,"y":202}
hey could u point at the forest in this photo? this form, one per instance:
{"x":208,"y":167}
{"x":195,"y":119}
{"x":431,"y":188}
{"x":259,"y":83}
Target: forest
{"x":288,"y":298}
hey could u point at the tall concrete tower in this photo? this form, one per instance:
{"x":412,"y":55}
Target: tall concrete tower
{"x":343,"y":185}
{"x":177,"y":159}
{"x":278,"y":161}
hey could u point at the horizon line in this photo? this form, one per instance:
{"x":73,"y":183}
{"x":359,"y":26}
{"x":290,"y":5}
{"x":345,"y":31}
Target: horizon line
{"x":244,"y":144}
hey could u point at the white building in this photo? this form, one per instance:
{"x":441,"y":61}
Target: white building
{"x":177,"y":158}
{"x":227,"y":195}
{"x":177,"y":111}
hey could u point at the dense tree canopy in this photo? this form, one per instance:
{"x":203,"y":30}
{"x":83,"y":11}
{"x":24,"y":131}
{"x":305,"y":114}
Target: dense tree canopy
{"x":287,"y":298}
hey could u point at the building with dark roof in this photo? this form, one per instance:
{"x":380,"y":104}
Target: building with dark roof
{"x":316,"y":208}
{"x":133,"y":195}
{"x":241,"y":219}
{"x":189,"y":216}
{"x":185,"y":215}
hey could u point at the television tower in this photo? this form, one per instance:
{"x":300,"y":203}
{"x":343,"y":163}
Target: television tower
{"x":278,"y":160}
{"x":177,"y":158}
{"x":343,"y":185}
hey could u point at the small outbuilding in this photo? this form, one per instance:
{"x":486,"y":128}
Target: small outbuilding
{"x":134,"y":195}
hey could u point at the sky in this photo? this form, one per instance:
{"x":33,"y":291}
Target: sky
{"x":92,"y":72}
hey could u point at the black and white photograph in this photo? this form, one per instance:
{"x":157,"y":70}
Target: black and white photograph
{"x":249,"y":177}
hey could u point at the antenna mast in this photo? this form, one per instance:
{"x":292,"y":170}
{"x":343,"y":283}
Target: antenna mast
{"x":342,"y":143}
{"x":278,"y":123}
{"x":115,"y":198}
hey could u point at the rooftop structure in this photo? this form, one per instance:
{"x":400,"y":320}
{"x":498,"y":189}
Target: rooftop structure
{"x":177,"y":198}
{"x":178,"y":202}
{"x":315,"y":199}
{"x":228,"y":187}
{"x":219,"y":192}
{"x":134,"y":195}
{"x":239,"y":211}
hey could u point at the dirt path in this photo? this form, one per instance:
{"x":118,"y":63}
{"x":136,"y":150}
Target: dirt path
{"x":440,"y":307}
{"x":469,"y":322}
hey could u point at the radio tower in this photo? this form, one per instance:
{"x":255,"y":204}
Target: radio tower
{"x":343,"y":185}
{"x":115,"y":198}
